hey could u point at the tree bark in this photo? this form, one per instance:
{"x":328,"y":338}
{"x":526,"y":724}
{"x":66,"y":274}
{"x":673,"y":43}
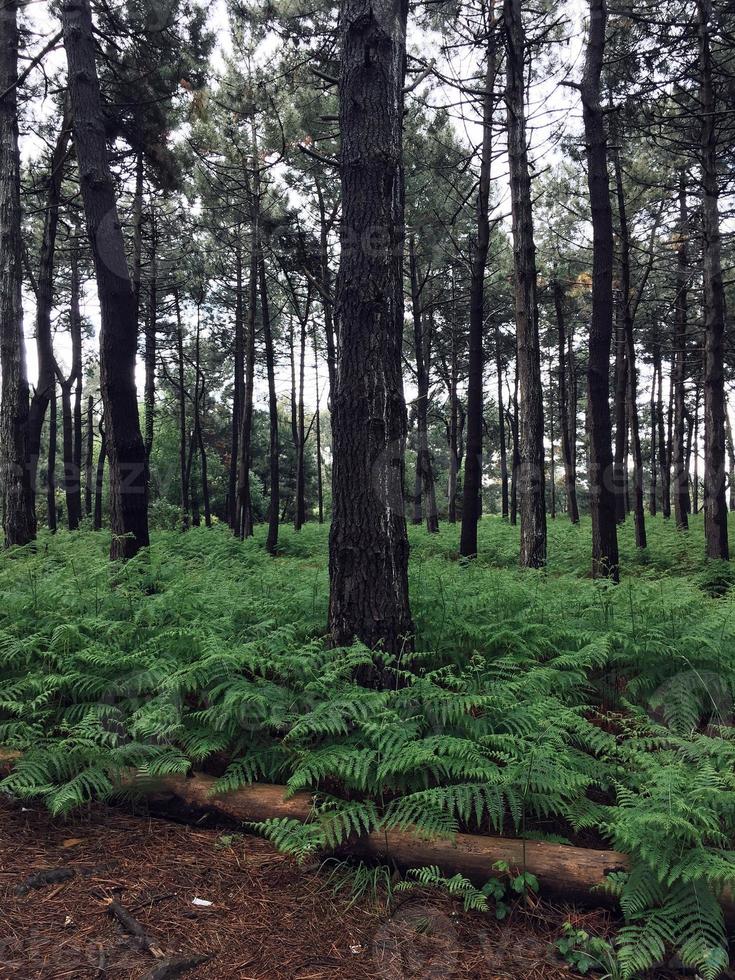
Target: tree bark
{"x":318,"y":423}
{"x":274,"y":451}
{"x":51,"y":468}
{"x":531,"y":476}
{"x":680,"y":476}
{"x":199,"y":396}
{"x":183,"y":433}
{"x":99,"y":479}
{"x":238,"y":386}
{"x":16,"y":489}
{"x":422,"y":340}
{"x":89,"y":458}
{"x":368,"y":546}
{"x":119,"y":335}
{"x":602,"y":496}
{"x":715,"y":503}
{"x":502,"y":441}
{"x":46,"y":385}
{"x":244,"y":506}
{"x":631,"y":372}
{"x":151,"y":327}
{"x":472,"y":489}
{"x":570,"y":487}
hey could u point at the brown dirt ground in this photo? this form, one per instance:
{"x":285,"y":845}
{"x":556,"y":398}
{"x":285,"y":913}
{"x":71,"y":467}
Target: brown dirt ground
{"x":269,"y":918}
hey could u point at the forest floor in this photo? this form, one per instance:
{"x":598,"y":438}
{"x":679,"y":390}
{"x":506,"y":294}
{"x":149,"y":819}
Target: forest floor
{"x":268,"y":918}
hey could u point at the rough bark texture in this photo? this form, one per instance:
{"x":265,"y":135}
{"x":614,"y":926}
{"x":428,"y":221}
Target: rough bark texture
{"x":472,"y":489}
{"x":678,"y":449}
{"x":715,"y":503}
{"x":119,"y":335}
{"x":19,"y":520}
{"x":368,"y":546}
{"x":531,"y":429}
{"x":602,"y":496}
{"x":570,"y":486}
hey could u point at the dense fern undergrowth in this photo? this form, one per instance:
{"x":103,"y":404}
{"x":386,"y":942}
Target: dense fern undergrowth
{"x":540,"y":704}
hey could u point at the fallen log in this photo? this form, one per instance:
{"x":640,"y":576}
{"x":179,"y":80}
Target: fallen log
{"x":562,"y":870}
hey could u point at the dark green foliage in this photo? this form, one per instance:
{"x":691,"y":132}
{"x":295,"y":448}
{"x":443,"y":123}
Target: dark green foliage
{"x":542,"y":704}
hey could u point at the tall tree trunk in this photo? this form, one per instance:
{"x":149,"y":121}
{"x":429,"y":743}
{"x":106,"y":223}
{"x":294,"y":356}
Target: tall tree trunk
{"x":632,"y":374}
{"x":244,"y":505}
{"x":602,"y":496}
{"x":318,"y":422}
{"x":620,"y":462}
{"x":731,"y":458}
{"x":715,"y":503}
{"x":51,"y":469}
{"x":552,"y":444}
{"x":46,"y":386}
{"x":151,"y":327}
{"x":300,"y":509}
{"x":654,"y":414}
{"x":695,"y":445}
{"x":326,"y":286}
{"x":472,"y":490}
{"x":119,"y":335}
{"x":532,"y":477}
{"x":368,"y":545}
{"x":238,"y":386}
{"x":501,"y":427}
{"x":271,"y":543}
{"x":199,"y":396}
{"x":99,"y":478}
{"x":422,"y":339}
{"x":681,"y":472}
{"x":570,"y":487}
{"x":514,"y":429}
{"x":16,"y":490}
{"x":89,"y":458}
{"x":183,"y":433}
{"x":72,"y":417}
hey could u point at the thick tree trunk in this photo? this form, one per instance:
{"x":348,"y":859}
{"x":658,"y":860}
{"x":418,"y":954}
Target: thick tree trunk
{"x":238,"y":386}
{"x":472,"y":489}
{"x":570,"y":486}
{"x":532,"y":477}
{"x":631,"y":372}
{"x":602,"y":495}
{"x":119,"y":335}
{"x":368,"y":546}
{"x":274,"y":451}
{"x":51,"y":467}
{"x":89,"y":458}
{"x":16,"y":489}
{"x":715,"y":503}
{"x":46,"y":385}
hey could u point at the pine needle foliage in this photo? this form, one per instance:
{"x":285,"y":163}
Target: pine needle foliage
{"x":539,"y":704}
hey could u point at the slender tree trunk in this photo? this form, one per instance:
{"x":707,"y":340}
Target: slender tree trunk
{"x":46,"y":385}
{"x":300,"y":479}
{"x":99,"y":479}
{"x":16,"y":490}
{"x":602,"y":495}
{"x":89,"y":458}
{"x":715,"y":503}
{"x":51,"y":471}
{"x":531,"y":477}
{"x":695,"y":481}
{"x":183,"y":433}
{"x":368,"y":546}
{"x":501,"y":427}
{"x":424,"y":470}
{"x":654,"y":413}
{"x":632,"y":374}
{"x":513,"y":419}
{"x":244,"y":506}
{"x":472,"y":489}
{"x":731,"y":457}
{"x":271,"y":543}
{"x":681,"y":472}
{"x":454,"y":461}
{"x":570,"y":487}
{"x":238,"y":386}
{"x":72,"y":417}
{"x":318,"y":423}
{"x":151,"y":327}
{"x":326,"y":284}
{"x":620,"y":463}
{"x":119,"y":335}
{"x":552,"y":444}
{"x":199,"y":396}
